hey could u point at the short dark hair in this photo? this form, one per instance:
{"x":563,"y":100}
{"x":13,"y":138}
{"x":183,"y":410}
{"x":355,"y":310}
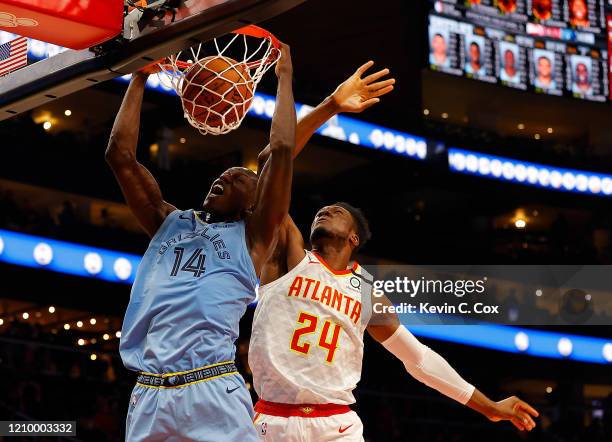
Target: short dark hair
{"x":250,"y":173}
{"x":361,"y":223}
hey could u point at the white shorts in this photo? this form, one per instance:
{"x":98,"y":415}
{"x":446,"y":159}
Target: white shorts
{"x":345,"y":427}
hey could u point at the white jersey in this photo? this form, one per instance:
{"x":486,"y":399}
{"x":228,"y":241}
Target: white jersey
{"x":307,"y":340}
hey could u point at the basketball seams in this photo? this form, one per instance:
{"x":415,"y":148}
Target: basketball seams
{"x":216,"y":91}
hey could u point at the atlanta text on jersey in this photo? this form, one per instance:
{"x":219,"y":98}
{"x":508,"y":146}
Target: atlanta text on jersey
{"x":312,"y":289}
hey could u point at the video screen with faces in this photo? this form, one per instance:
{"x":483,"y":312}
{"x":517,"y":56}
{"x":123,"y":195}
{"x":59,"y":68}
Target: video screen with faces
{"x":552,"y":47}
{"x":512,"y":63}
{"x":546,"y":73}
{"x":587,"y":15}
{"x":546,"y":12}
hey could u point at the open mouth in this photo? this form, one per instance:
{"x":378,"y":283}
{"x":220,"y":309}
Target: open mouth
{"x":217,"y":189}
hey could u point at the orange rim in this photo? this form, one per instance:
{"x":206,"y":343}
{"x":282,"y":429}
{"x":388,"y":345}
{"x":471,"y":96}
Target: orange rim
{"x":256,"y":31}
{"x":251,"y":31}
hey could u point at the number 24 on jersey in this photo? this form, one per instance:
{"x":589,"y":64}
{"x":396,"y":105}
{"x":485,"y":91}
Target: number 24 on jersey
{"x":328,"y":337}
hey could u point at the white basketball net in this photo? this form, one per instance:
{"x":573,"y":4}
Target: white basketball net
{"x":207,"y":109}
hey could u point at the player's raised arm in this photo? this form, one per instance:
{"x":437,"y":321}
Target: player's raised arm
{"x":139,"y":187}
{"x":356,"y":94}
{"x":288,"y":252}
{"x":274,"y":185}
{"x":433,"y":370}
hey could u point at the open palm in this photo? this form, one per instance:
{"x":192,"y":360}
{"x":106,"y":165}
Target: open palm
{"x":516,"y":411}
{"x":357,"y":94}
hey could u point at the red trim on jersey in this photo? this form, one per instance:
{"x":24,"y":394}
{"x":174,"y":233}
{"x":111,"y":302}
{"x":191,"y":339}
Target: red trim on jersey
{"x":336,"y":272}
{"x":300,"y":410}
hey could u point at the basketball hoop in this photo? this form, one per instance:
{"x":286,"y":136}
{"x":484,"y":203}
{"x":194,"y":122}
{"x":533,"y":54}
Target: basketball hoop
{"x":216,"y":80}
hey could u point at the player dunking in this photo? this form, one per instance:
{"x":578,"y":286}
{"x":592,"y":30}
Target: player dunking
{"x":195,"y":281}
{"x":307,"y":341}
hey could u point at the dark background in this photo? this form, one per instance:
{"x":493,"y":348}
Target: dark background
{"x":420,"y":213}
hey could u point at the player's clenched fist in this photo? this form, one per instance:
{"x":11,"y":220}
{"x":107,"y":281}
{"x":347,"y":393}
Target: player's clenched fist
{"x":284,"y":65}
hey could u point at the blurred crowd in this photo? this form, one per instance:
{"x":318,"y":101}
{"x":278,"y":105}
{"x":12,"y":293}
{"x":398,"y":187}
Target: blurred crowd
{"x":66,"y":221}
{"x":562,"y":244}
{"x":45,"y":376}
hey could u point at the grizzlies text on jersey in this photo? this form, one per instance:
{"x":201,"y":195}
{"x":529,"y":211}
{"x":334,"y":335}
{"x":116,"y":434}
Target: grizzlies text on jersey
{"x":192,"y":287}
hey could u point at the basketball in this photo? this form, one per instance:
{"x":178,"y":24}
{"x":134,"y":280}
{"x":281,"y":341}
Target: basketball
{"x":217,"y":91}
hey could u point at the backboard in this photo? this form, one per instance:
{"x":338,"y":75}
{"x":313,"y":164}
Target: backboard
{"x":148,"y":35}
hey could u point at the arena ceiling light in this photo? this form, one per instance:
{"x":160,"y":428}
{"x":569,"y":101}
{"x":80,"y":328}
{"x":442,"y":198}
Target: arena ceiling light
{"x":529,"y":174}
{"x":352,"y":131}
{"x":524,"y":341}
{"x":64,"y":257}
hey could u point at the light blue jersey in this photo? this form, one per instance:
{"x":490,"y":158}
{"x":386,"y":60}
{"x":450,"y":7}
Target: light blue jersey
{"x":192,"y":287}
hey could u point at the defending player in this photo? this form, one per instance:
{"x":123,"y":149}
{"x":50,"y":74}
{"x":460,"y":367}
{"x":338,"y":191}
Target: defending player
{"x":195,"y":281}
{"x":307,"y":342}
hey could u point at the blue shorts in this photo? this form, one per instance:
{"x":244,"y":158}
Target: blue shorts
{"x":218,"y":410}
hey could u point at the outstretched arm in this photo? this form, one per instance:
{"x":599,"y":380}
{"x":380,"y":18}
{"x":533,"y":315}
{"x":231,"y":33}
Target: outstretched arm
{"x":356,"y":94}
{"x":434,"y":371}
{"x":274,"y":184}
{"x":139,"y":187}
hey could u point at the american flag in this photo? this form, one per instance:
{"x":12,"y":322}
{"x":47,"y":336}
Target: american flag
{"x":13,"y":55}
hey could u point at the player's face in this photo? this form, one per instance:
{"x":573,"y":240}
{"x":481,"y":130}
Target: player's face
{"x":544,"y":67}
{"x":509,"y":60}
{"x":439,"y":45}
{"x":332,"y":222}
{"x":475,"y":53}
{"x":579,"y":9}
{"x":582,"y":73}
{"x":507,"y":5}
{"x":232,"y":193}
{"x":542,"y":8}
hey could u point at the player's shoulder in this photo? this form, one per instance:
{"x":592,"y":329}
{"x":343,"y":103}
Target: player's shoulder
{"x":186,"y":220}
{"x":179,"y":218}
{"x":185,"y":215}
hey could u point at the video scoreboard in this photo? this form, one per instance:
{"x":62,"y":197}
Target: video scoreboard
{"x":555,"y":47}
